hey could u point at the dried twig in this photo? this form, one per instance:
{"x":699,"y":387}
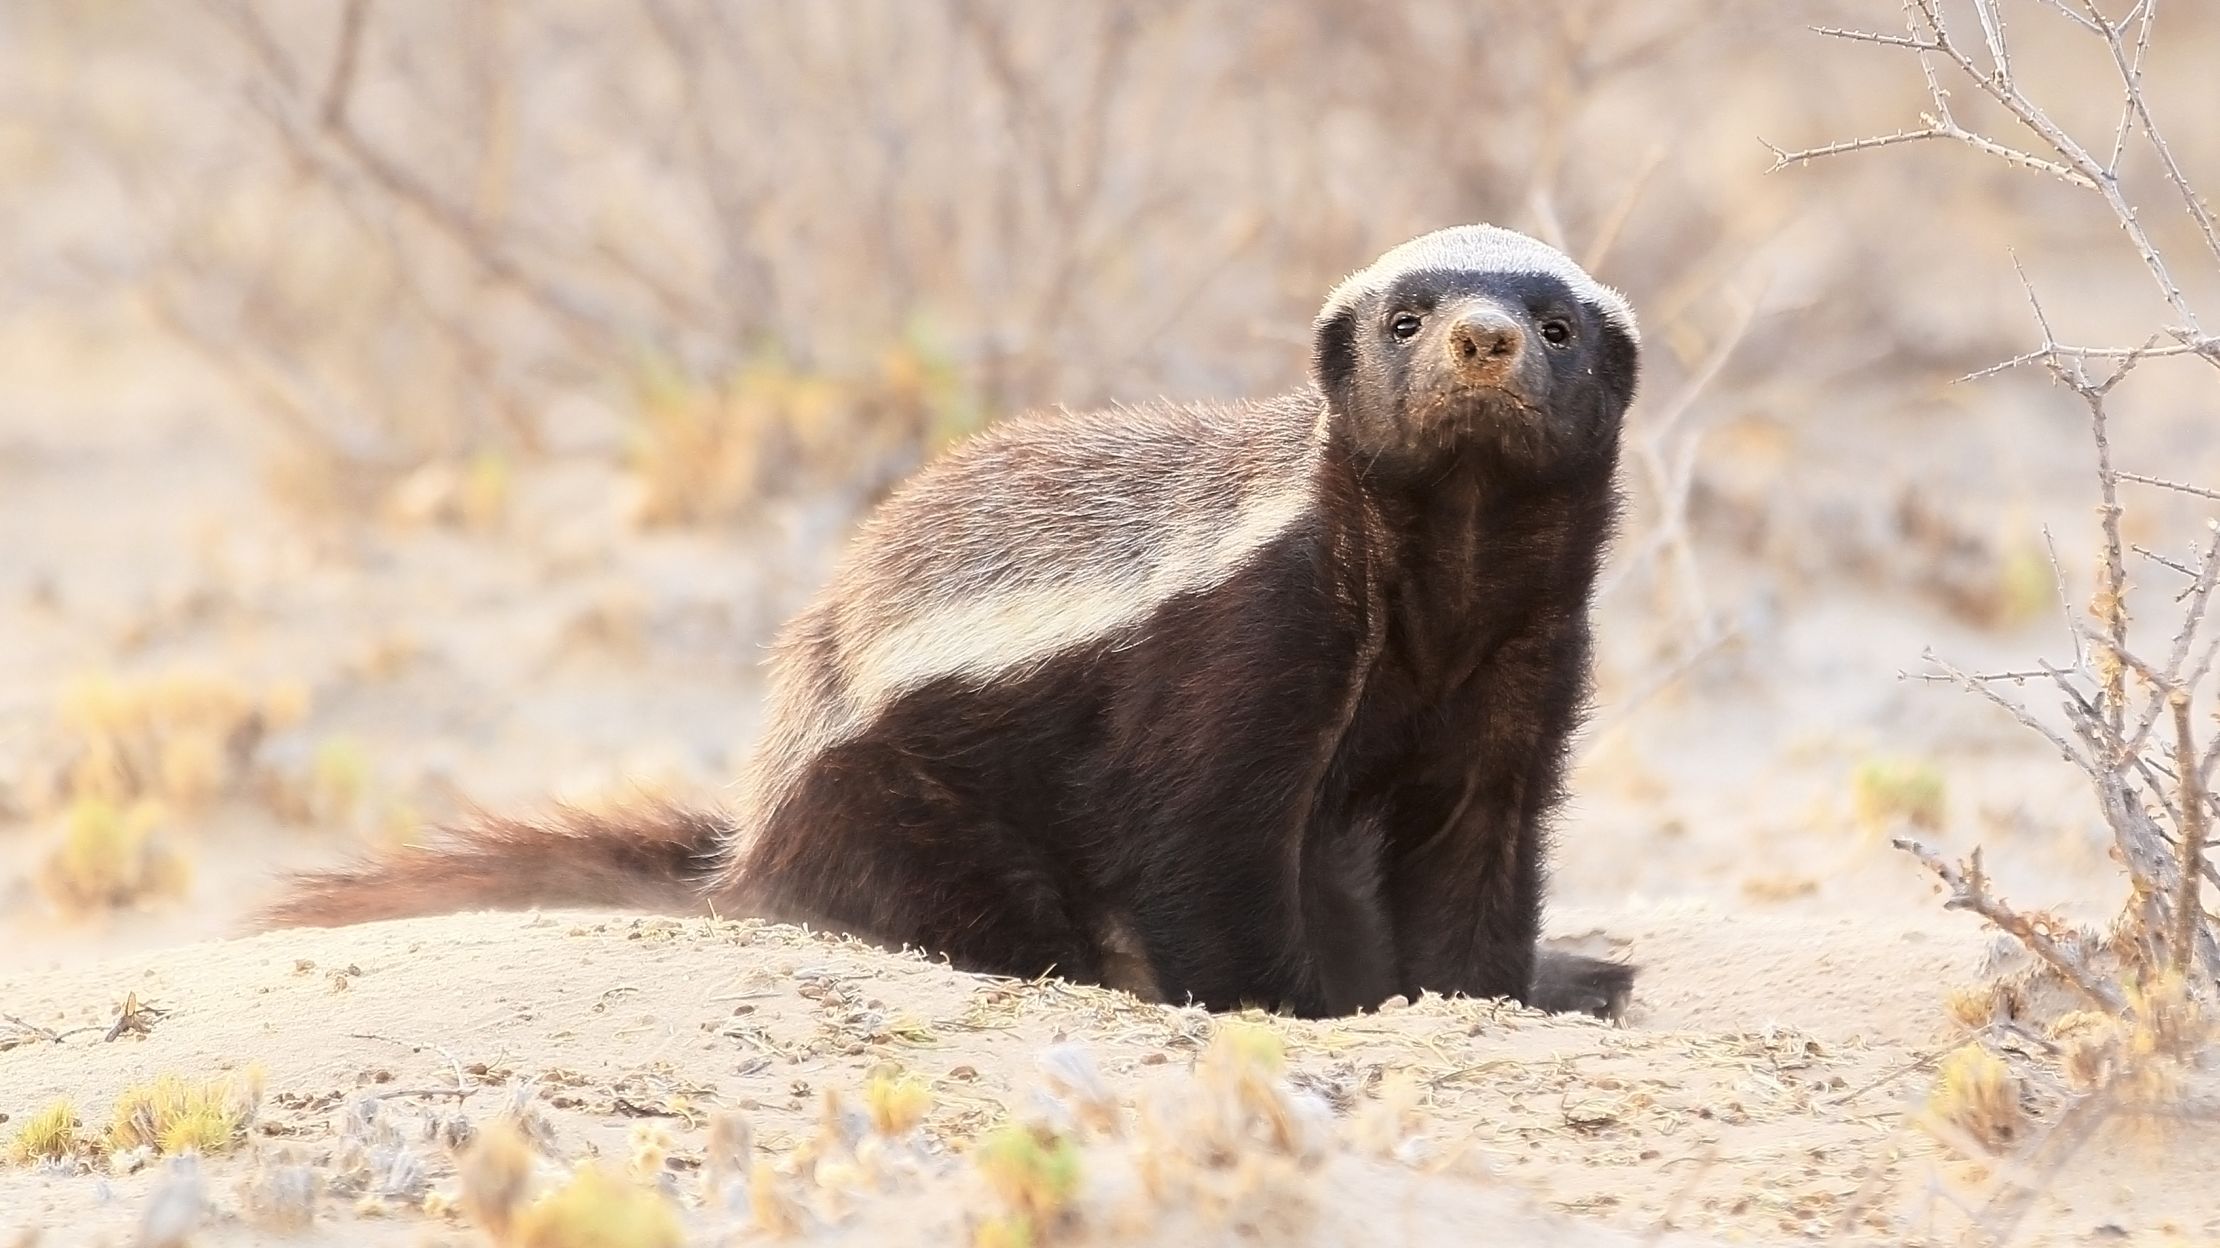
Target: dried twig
{"x":1969,"y":890}
{"x":340,"y":83}
{"x":1981,"y":686}
{"x":134,"y":1017}
{"x":2189,"y":911}
{"x":31,"y":1033}
{"x":2195,"y":491}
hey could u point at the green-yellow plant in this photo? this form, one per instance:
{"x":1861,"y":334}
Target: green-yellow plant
{"x":338,"y":778}
{"x":182,"y":737}
{"x":51,"y":1134}
{"x":109,"y":857}
{"x":1034,"y":1171}
{"x":1978,"y":1094}
{"x":897,"y":1103}
{"x":172,"y":1115}
{"x":1888,"y":792}
{"x":710,"y":449}
{"x":596,"y":1209}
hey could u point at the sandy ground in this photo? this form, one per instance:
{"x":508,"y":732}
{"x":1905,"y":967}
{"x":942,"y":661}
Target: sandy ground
{"x":1659,"y":1121}
{"x":1709,"y":1113}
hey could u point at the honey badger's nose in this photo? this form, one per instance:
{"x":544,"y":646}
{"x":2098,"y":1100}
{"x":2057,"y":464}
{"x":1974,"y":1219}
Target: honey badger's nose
{"x":1485,"y":343}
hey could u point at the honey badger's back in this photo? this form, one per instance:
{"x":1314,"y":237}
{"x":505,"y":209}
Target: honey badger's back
{"x":1046,"y":533}
{"x":955,"y":737}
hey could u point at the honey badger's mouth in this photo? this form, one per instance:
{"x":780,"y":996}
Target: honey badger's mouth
{"x":1491,"y":421}
{"x":1462,"y":409}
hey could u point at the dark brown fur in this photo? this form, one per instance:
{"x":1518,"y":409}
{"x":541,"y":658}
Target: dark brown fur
{"x":1319,"y":780}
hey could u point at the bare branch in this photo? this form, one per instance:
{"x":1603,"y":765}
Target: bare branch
{"x":2025,"y":160}
{"x":1866,"y":36}
{"x":2069,"y":151}
{"x":1992,"y":32}
{"x":1659,"y":682}
{"x":2172,"y":565}
{"x":2112,"y":728}
{"x":2189,"y":910}
{"x":1916,"y":11}
{"x":2197,"y":491}
{"x":1614,"y":221}
{"x":2111,"y":599}
{"x":1783,"y":158}
{"x":2002,"y":678}
{"x":339,"y":85}
{"x":2168,"y":684}
{"x":2041,"y":355}
{"x":2073,"y":15}
{"x":2131,"y":74}
{"x":2138,"y":107}
{"x":2065,"y":604}
{"x":1966,"y":680}
{"x":1934,"y":130}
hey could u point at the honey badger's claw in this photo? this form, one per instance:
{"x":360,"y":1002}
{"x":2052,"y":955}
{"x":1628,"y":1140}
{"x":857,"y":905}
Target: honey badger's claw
{"x":1572,"y":983}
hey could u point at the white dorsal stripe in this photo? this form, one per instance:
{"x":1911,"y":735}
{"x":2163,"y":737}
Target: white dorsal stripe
{"x":1018,"y":629}
{"x":1481,"y":249}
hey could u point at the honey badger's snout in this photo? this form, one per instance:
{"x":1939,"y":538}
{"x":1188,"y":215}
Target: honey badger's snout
{"x":1487,"y":346}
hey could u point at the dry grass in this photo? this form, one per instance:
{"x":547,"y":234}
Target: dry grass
{"x":897,"y":1103}
{"x":51,"y":1134}
{"x":137,"y":759}
{"x":720,"y":451}
{"x":1888,"y":793}
{"x":167,"y":1116}
{"x":1035,"y":1172}
{"x":1977,"y":1093}
{"x":596,"y":1209}
{"x":184,"y":737}
{"x":494,"y":1178}
{"x":172,"y":1116}
{"x":111,"y":857}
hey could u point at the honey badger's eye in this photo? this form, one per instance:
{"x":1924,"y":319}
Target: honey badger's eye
{"x":1556,"y":333}
{"x":1405,"y":325}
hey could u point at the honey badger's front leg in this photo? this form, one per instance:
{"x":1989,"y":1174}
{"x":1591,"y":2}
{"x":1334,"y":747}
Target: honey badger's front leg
{"x":1466,"y":906}
{"x":1465,"y":856}
{"x":1464,"y":887}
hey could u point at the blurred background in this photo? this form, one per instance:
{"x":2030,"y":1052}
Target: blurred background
{"x":405,"y":405}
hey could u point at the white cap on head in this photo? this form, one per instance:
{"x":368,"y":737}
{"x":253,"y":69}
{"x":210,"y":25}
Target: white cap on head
{"x":1481,"y":249}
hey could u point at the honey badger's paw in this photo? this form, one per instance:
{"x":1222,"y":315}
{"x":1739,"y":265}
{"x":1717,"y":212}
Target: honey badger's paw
{"x":1573,"y":983}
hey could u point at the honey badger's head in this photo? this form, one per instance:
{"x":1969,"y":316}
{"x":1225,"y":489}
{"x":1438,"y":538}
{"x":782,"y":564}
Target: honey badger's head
{"x":1477,"y":341}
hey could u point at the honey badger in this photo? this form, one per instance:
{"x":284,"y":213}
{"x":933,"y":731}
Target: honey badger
{"x":1259,"y":703}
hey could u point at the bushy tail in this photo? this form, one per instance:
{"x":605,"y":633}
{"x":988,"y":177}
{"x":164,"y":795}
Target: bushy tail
{"x":655,"y":857}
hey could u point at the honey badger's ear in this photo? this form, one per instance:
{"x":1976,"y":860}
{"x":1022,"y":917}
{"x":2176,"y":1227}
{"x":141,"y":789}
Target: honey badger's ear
{"x":1333,"y":355}
{"x":1619,"y":364}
